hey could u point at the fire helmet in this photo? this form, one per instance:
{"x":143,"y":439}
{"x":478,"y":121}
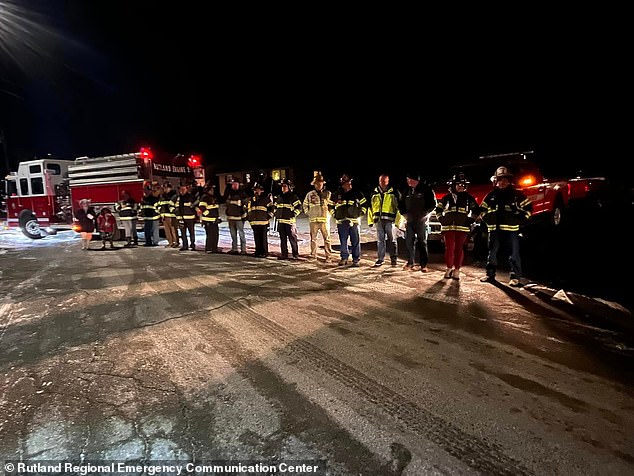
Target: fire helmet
{"x":458,"y":178}
{"x":501,"y":172}
{"x":318,"y":178}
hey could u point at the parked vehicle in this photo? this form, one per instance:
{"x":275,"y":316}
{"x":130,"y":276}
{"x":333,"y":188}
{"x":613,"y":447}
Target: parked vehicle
{"x":551,"y":198}
{"x":43,"y":193}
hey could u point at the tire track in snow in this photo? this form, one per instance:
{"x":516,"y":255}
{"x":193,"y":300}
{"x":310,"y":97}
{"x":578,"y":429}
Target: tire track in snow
{"x":487,"y":458}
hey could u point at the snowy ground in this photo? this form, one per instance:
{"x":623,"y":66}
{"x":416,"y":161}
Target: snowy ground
{"x":595,"y":306}
{"x":147,"y":354}
{"x":14,"y":239}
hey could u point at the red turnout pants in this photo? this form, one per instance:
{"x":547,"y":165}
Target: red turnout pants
{"x":454,"y":248}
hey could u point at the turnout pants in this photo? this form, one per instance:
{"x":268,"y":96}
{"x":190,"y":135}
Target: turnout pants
{"x":188,"y":225}
{"x":169,"y":224}
{"x":260,"y":238}
{"x":211,"y":232}
{"x":288,"y":231}
{"x":323,"y":228}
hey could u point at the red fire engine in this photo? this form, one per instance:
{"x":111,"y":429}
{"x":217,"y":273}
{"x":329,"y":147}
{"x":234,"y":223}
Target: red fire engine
{"x":43,"y":193}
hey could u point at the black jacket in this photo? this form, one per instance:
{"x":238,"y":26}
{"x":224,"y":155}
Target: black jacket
{"x":453,"y":211}
{"x":86,"y":224}
{"x":349,"y":206}
{"x":417,"y":202}
{"x":208,"y":205}
{"x":236,"y":201}
{"x":185,"y":207}
{"x":506,"y":209}
{"x":260,"y":209}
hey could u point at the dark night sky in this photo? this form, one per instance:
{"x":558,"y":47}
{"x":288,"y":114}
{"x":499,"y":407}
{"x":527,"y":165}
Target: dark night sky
{"x":327,"y":88}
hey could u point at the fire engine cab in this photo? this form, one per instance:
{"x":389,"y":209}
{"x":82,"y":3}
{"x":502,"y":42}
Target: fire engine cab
{"x":35,"y":195}
{"x":43,"y":194}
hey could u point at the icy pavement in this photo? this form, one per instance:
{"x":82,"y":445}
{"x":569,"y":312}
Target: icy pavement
{"x":596,"y":308}
{"x":148,"y":353}
{"x":14,"y":239}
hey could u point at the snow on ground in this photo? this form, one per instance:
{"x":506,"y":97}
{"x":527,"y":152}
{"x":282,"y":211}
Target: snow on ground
{"x":14,"y":239}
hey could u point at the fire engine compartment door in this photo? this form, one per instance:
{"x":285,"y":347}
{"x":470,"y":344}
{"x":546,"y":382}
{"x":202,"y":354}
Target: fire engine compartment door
{"x":112,"y":171}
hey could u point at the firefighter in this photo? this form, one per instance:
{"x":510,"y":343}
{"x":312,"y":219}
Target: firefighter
{"x":210,"y":218}
{"x":382,"y":212}
{"x":166,"y":205}
{"x":287,"y":208}
{"x":186,"y":216}
{"x":315,"y":206}
{"x":127,"y":209}
{"x":236,"y":200}
{"x":349,"y":206}
{"x":453,"y":212}
{"x":504,"y":209}
{"x":415,"y":206}
{"x":260,"y":210}
{"x":150,"y":215}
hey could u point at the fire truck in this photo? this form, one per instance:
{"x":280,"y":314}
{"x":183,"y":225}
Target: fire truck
{"x":43,"y":194}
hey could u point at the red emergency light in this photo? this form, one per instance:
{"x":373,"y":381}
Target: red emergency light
{"x":146,"y":153}
{"x":195,"y":161}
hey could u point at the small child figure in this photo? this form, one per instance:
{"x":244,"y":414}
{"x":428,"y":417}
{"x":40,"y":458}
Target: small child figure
{"x":106,"y":222}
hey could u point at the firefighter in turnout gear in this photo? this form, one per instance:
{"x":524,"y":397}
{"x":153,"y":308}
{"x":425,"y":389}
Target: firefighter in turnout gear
{"x":127,"y":209}
{"x":382,"y":212}
{"x":150,"y":215}
{"x":236,"y":200}
{"x":210,"y":218}
{"x":504,"y":209}
{"x":166,"y":206}
{"x":260,"y":210}
{"x":453,"y":212}
{"x":349,"y":205}
{"x":186,"y":216}
{"x":287,"y":208}
{"x":316,"y":205}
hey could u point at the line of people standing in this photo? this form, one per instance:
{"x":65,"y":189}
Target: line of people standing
{"x":504,"y":209}
{"x":348,"y":204}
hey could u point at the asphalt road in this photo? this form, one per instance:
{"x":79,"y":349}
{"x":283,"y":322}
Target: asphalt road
{"x":149,"y":354}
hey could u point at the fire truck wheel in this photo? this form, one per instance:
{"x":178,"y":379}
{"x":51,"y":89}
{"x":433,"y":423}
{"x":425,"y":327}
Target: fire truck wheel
{"x":29,"y":225}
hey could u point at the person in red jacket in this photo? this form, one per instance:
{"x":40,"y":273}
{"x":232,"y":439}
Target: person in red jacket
{"x":106,"y":224}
